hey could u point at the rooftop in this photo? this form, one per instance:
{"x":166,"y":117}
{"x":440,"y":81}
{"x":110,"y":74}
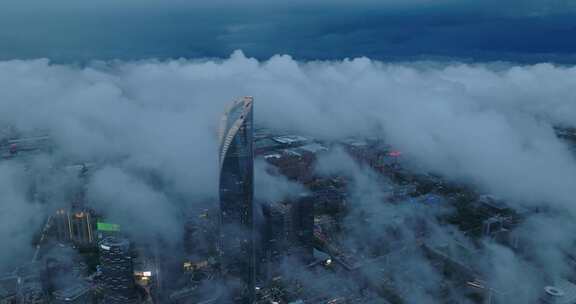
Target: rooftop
{"x":314,"y":148}
{"x":71,"y":293}
{"x":290,"y":139}
{"x":563,"y":292}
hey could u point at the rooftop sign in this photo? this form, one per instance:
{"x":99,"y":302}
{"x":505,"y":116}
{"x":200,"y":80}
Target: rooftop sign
{"x":107,"y":227}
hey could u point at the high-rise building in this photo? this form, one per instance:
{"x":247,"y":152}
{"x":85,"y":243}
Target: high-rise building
{"x":287,"y":232}
{"x":117,"y":271}
{"x":81,"y":227}
{"x":76,"y":227}
{"x":62,"y":225}
{"x":304,"y":223}
{"x":289,"y":229}
{"x":236,"y":189}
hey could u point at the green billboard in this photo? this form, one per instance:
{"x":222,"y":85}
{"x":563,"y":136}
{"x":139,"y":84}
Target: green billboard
{"x":107,"y":227}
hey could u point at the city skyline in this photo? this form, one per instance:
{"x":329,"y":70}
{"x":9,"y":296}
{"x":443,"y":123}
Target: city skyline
{"x":307,"y":152}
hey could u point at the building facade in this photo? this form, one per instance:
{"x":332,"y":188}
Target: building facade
{"x":117,"y":271}
{"x":289,"y":228}
{"x":75,"y":227}
{"x":236,"y":188}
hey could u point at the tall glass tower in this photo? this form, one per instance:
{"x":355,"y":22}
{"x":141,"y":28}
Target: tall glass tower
{"x":236,"y":198}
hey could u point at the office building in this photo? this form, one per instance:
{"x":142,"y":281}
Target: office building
{"x":117,"y":271}
{"x":289,"y":229}
{"x":75,"y":227}
{"x":81,"y":227}
{"x":236,"y":189}
{"x":62,"y":226}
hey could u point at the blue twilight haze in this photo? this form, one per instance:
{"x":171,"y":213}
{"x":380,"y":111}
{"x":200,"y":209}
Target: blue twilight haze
{"x":384,"y":152}
{"x":524,"y":31}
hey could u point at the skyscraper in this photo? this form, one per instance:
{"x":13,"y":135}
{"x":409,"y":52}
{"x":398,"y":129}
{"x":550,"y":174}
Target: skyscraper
{"x":117,"y":271}
{"x":74,"y":227}
{"x":62,"y":225}
{"x":81,"y":227}
{"x":236,"y":189}
{"x":288,"y":231}
{"x":289,"y":228}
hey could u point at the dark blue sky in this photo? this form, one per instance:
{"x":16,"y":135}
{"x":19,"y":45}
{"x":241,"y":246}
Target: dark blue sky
{"x":524,"y":31}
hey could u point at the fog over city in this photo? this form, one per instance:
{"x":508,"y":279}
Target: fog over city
{"x":154,"y":124}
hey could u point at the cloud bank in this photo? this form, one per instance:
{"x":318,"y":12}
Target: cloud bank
{"x":487,"y":125}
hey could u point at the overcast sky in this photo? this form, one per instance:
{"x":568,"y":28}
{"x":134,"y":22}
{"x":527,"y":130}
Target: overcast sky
{"x":524,"y":31}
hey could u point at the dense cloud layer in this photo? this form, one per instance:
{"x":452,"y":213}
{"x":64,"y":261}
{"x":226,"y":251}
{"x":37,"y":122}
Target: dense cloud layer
{"x":155,"y":124}
{"x":19,"y":217}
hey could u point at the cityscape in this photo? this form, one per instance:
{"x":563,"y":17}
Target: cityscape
{"x":304,"y":152}
{"x":238,"y":251}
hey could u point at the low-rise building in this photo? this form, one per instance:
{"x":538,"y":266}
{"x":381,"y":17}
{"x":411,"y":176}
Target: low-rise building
{"x":78,"y":293}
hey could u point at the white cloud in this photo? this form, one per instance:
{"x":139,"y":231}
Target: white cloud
{"x":487,"y":125}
